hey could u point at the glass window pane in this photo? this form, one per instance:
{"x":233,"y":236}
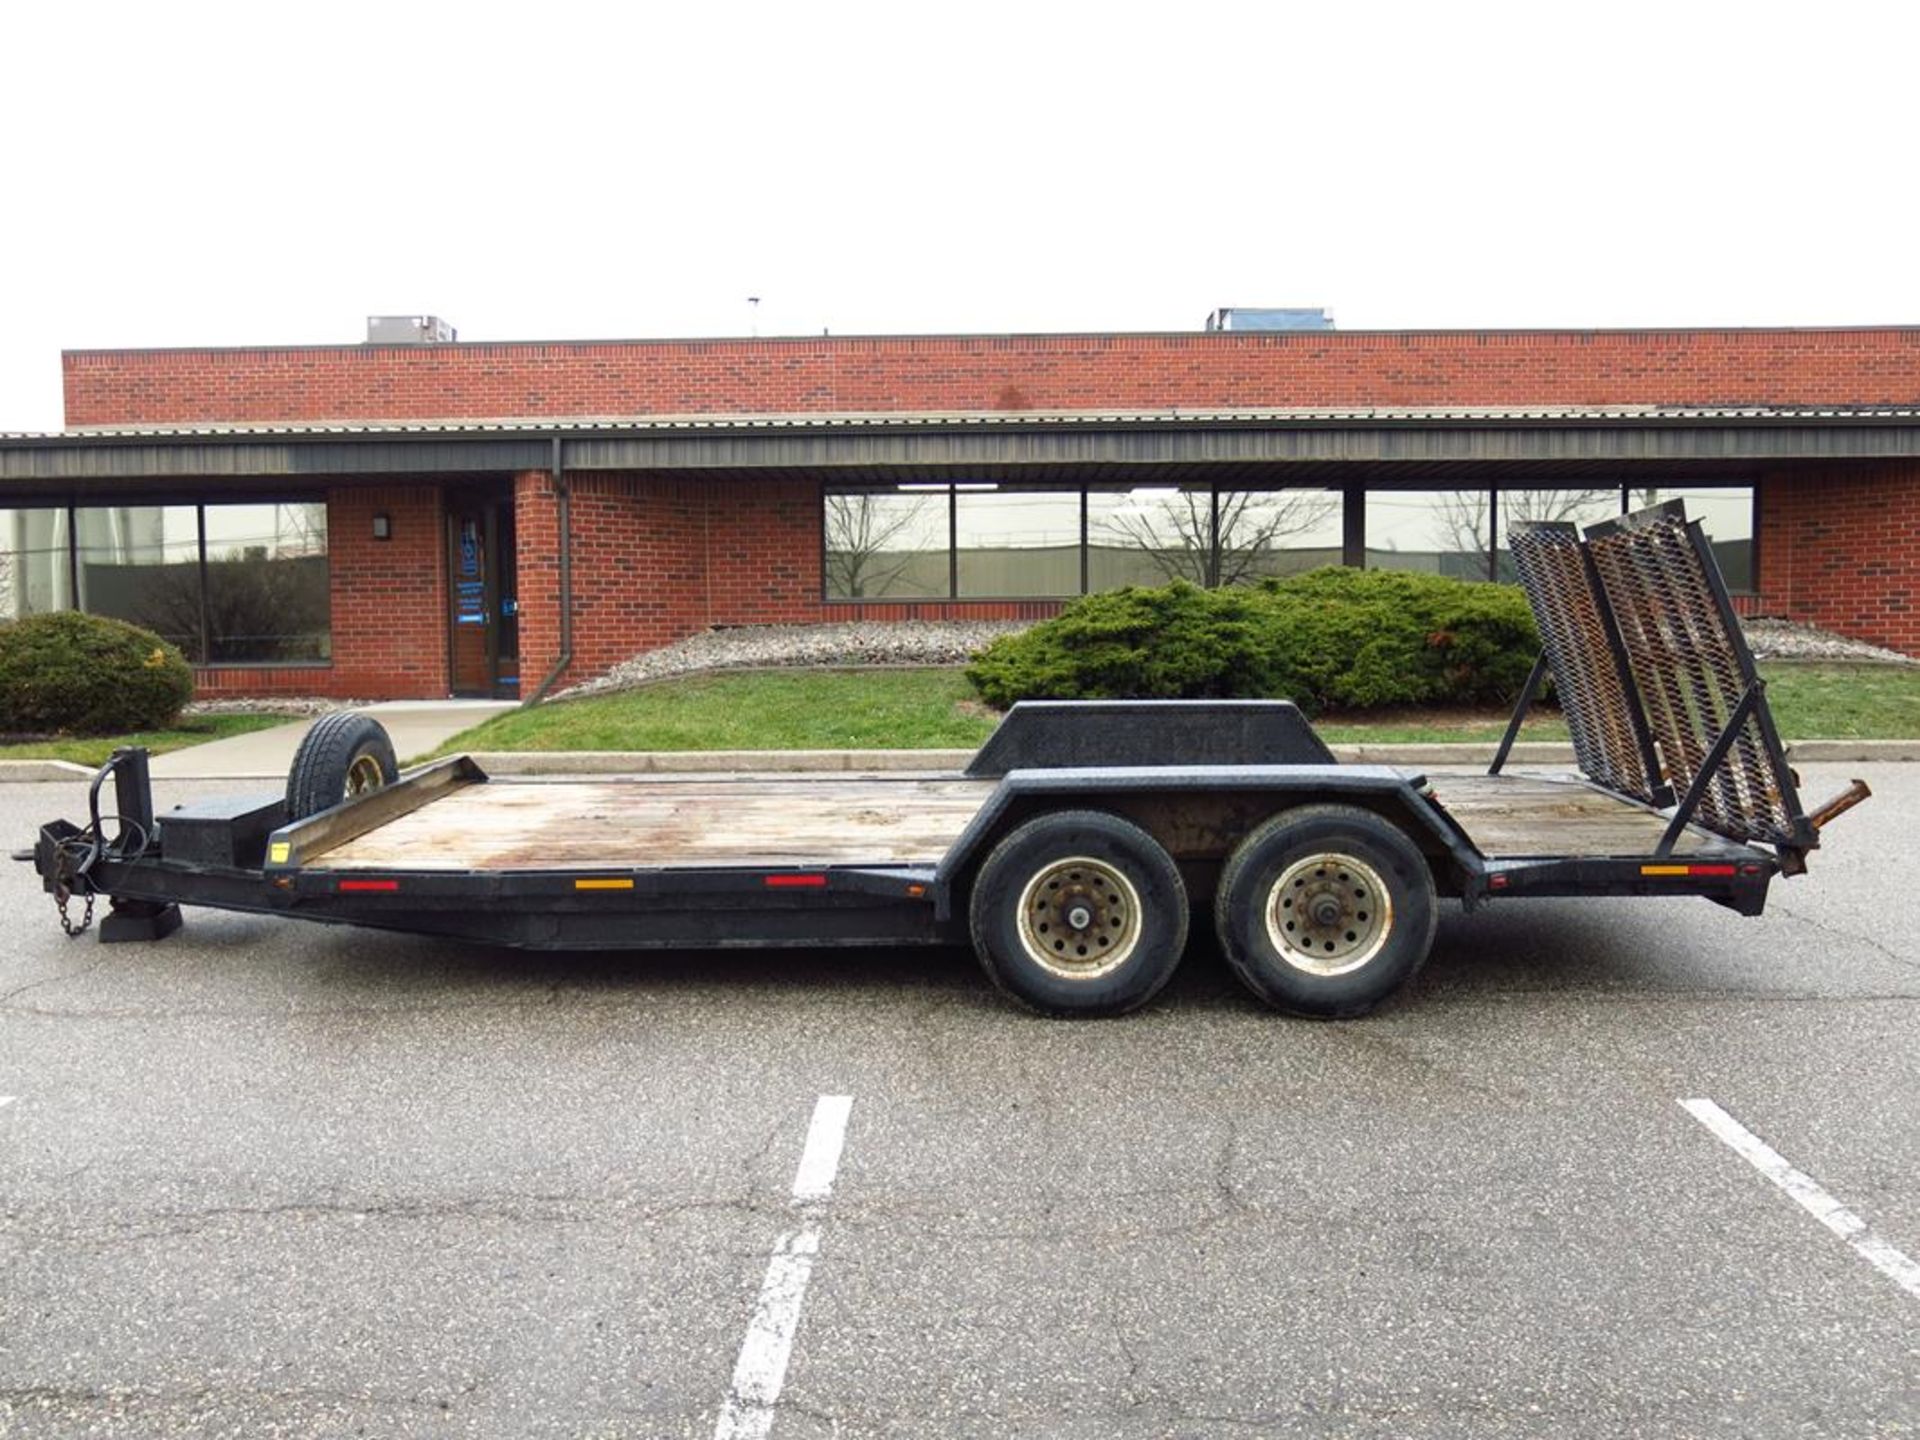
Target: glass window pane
{"x":885,"y":544}
{"x":141,"y":564}
{"x":1725,"y":512}
{"x":34,"y":567}
{"x":1018,"y":542}
{"x":1578,"y":507}
{"x":1443,"y":532}
{"x":1277,"y":532}
{"x":267,"y":598}
{"x":1147,"y":535}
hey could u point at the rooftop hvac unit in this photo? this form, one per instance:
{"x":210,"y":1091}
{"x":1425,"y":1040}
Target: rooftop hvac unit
{"x":1246,"y":317}
{"x":409,"y":330}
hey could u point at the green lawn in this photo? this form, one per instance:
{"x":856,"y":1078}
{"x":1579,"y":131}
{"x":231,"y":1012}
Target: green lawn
{"x":936,"y":709}
{"x":1810,"y":701}
{"x":784,"y":710}
{"x":93,"y":750}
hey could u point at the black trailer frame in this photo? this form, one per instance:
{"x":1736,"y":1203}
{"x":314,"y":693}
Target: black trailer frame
{"x":1667,"y":711}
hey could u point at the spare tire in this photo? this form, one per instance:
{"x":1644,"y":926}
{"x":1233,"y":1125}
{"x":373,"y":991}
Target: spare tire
{"x":344,"y":756}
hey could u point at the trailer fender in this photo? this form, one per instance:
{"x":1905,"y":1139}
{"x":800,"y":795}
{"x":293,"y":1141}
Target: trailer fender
{"x":1398,"y":795}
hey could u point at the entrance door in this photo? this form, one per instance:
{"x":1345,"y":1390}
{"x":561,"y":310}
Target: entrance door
{"x":485,"y":618}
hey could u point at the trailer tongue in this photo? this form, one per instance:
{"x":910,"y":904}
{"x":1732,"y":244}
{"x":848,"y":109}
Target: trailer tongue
{"x":1071,"y":849}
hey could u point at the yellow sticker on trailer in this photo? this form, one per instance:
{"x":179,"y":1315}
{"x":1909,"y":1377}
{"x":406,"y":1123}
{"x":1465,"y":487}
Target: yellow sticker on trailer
{"x":603,"y":884}
{"x":1665,"y":870}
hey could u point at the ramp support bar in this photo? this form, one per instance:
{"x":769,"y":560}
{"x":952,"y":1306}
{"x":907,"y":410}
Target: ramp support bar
{"x":1527,"y":695}
{"x":1710,"y":767}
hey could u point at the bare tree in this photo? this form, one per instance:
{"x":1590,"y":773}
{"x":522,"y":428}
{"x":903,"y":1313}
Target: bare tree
{"x":1461,"y":519}
{"x":1557,"y":504}
{"x":1176,"y":532}
{"x":299,"y":529}
{"x":865,"y":543}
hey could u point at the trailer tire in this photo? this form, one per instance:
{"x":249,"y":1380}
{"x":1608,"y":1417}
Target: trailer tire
{"x":1325,"y":911}
{"x":1079,"y":913}
{"x":344,"y":755}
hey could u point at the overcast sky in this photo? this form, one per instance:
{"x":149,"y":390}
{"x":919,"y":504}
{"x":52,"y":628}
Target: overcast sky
{"x":182,"y":174}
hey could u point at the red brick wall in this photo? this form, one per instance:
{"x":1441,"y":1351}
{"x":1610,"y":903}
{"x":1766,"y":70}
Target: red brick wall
{"x":1019,"y":372}
{"x":639,"y":569}
{"x":537,"y":576}
{"x":1841,"y":549}
{"x":389,"y":603}
{"x":657,"y":560}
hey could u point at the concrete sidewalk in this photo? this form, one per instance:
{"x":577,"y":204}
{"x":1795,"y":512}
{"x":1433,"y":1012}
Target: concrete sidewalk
{"x":416,"y":726}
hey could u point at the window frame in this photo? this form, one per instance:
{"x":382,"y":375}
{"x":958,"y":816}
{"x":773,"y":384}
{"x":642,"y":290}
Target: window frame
{"x":200,"y":505}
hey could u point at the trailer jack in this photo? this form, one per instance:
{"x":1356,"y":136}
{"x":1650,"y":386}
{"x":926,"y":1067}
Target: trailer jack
{"x":73,"y":852}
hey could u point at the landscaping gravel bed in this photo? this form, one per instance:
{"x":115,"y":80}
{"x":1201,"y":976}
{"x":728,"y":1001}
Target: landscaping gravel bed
{"x":858,"y":642}
{"x":938,"y":642}
{"x":1786,"y":640}
{"x":291,"y":706}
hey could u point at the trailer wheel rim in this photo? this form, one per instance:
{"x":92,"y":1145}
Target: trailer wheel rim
{"x":363,"y":776}
{"x":1329,"y":914}
{"x":1079,"y":918}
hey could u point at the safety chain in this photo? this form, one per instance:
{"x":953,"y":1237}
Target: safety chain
{"x":63,"y":892}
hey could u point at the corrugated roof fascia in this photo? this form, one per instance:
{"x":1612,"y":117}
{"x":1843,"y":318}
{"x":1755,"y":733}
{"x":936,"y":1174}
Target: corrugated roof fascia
{"x":1015,"y":419}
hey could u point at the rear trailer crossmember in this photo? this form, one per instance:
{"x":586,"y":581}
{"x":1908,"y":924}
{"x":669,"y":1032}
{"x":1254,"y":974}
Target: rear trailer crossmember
{"x":1074,"y":849}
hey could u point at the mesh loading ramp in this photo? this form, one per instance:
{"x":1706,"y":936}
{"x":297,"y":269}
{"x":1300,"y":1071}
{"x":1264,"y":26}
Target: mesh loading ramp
{"x":1659,"y":689}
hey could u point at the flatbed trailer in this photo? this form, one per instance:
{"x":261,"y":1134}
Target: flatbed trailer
{"x":1072,"y":848}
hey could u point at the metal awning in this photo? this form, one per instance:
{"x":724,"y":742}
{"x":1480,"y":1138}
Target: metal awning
{"x":1319,"y":445}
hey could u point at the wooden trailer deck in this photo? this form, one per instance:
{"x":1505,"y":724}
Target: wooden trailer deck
{"x":781,"y":821}
{"x":1512,"y":817}
{"x":592,"y":824}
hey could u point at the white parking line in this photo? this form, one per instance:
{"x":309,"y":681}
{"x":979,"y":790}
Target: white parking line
{"x":6,"y":1100}
{"x":1807,"y":1193}
{"x":762,"y":1367}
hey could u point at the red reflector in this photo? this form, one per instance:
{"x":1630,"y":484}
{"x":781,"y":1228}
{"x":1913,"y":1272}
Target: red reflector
{"x":1496,"y":882}
{"x":1709,"y":869}
{"x":796,"y":882}
{"x":369,"y":885}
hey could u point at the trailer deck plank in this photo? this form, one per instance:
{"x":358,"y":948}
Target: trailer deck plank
{"x":785,"y":821}
{"x":1511,"y":817}
{"x":616,"y":824}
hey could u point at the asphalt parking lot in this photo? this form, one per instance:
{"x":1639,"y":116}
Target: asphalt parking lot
{"x":271,"y":1179}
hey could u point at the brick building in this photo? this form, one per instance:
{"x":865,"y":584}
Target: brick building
{"x":405,"y":520}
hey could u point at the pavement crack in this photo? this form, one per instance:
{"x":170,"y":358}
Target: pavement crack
{"x":15,"y":1397}
{"x":1827,"y":927}
{"x":1224,"y":1184}
{"x":7,"y":996}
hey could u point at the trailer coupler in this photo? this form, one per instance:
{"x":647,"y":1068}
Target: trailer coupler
{"x":66,"y":855}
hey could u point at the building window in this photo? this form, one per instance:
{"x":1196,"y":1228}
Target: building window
{"x":36,"y":560}
{"x":1725,"y":513}
{"x":141,"y":564}
{"x":888,"y":544}
{"x":1277,"y":532}
{"x":1576,"y":507}
{"x":1012,"y":540}
{"x":228,"y":584}
{"x":266,"y":584}
{"x":988,"y":541}
{"x":1441,"y":532}
{"x":1149,"y":535}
